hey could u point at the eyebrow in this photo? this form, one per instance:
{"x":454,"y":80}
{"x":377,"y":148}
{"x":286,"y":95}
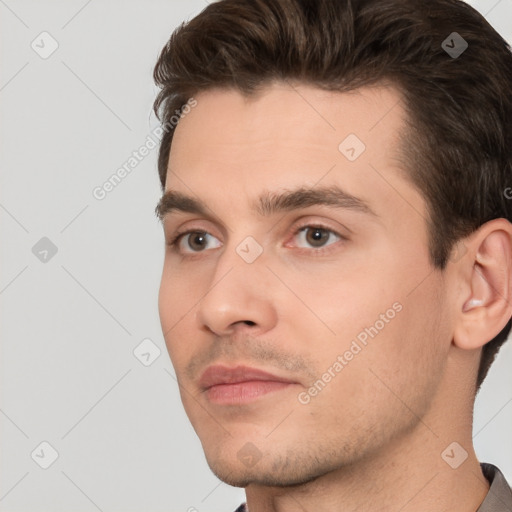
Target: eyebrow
{"x":270,"y":203}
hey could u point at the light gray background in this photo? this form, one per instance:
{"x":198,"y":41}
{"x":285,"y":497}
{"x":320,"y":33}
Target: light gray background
{"x":70,"y":325}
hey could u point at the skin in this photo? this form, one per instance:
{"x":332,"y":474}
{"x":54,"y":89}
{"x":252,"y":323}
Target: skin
{"x":372,"y":438}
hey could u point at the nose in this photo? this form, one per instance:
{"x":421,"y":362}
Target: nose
{"x":238,"y":297}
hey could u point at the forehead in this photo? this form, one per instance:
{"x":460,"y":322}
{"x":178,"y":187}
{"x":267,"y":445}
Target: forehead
{"x":295,"y":122}
{"x":289,"y":135}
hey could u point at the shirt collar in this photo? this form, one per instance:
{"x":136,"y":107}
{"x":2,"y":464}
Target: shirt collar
{"x":499,"y":497}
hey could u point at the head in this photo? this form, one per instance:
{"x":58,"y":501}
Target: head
{"x":405,"y":285}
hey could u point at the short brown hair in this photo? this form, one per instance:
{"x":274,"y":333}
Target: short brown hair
{"x":458,"y":147}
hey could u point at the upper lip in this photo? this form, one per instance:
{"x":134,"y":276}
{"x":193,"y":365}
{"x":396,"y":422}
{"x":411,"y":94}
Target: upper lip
{"x":218,"y":374}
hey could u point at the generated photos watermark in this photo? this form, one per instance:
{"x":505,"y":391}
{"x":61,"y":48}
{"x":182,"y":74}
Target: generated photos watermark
{"x":100,"y":192}
{"x":356,"y":347}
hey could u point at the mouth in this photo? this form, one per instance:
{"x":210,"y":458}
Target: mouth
{"x":235,"y":386}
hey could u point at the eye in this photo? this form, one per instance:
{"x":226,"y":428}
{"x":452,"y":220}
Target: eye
{"x":197,"y":240}
{"x":316,"y":236}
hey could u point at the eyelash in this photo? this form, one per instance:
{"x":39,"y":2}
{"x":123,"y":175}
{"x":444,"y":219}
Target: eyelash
{"x":316,"y":251}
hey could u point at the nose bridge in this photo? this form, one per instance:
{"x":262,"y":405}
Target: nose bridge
{"x":238,"y":290}
{"x":242,"y":254}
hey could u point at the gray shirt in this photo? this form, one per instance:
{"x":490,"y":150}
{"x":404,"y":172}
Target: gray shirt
{"x":498,"y":499}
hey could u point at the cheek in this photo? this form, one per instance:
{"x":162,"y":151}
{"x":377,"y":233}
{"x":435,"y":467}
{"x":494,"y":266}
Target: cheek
{"x":176,"y":299}
{"x":398,"y":366}
{"x":342,"y":298}
{"x":405,"y":360}
{"x":382,"y":321}
{"x":180,"y":289}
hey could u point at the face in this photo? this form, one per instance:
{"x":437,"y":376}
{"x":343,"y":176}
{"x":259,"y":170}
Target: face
{"x":330,"y":293}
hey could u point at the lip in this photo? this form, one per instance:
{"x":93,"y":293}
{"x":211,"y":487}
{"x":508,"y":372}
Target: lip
{"x":241,"y":384}
{"x":218,"y":374}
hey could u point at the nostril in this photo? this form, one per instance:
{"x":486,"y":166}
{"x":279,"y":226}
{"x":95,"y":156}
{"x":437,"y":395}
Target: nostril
{"x":249,"y":322}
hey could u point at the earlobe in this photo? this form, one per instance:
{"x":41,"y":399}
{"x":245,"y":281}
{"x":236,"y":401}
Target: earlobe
{"x":486,"y":300}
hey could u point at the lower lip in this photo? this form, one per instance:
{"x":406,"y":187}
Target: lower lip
{"x":243,"y":392}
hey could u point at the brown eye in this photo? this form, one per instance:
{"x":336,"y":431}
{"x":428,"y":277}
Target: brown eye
{"x":195,"y":241}
{"x":317,"y":236}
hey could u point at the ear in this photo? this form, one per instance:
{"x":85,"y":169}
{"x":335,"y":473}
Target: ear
{"x":485,"y":300}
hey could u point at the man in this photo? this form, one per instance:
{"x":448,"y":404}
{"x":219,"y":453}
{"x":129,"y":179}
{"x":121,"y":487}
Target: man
{"x":338,"y":269}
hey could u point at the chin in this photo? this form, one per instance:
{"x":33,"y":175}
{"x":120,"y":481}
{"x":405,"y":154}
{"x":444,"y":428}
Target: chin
{"x":272,"y":470}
